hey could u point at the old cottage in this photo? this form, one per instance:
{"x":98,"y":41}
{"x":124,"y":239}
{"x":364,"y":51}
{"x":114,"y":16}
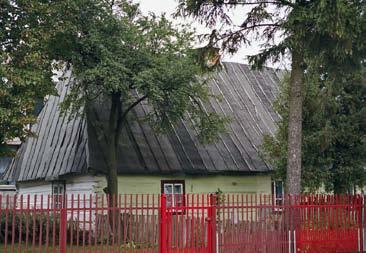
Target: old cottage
{"x":64,"y":157}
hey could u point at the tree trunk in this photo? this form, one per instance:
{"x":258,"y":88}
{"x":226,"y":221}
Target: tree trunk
{"x":113,"y":135}
{"x":108,"y":138}
{"x":112,"y":151}
{"x":293,"y":175}
{"x":111,"y":173}
{"x":340,"y":185}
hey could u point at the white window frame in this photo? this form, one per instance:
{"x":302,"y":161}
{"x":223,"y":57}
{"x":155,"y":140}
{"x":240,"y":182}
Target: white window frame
{"x":173,"y":201}
{"x":278,"y":201}
{"x":58,"y":196}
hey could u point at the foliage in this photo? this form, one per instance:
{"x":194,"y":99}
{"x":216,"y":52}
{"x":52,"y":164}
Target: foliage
{"x":334,"y":132}
{"x":120,"y":58}
{"x":323,"y":37}
{"x":25,"y":68}
{"x":16,"y":225}
{"x":331,"y":28}
{"x":41,"y":227}
{"x":136,"y":58}
{"x":117,"y":56}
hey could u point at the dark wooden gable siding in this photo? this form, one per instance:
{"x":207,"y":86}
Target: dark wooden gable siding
{"x":65,"y":146}
{"x":59,"y":146}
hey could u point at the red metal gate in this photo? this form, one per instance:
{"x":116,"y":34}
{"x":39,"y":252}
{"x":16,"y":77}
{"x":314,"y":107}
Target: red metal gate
{"x":329,"y":223}
{"x":190,"y":226}
{"x":250,"y":223}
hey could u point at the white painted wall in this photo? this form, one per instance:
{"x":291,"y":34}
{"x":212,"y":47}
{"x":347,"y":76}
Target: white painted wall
{"x":34,"y":188}
{"x":80,"y":193}
{"x":33,"y":194}
{"x":80,"y":187}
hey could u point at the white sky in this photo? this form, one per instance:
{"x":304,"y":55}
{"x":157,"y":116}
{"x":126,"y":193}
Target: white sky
{"x":169,"y":6}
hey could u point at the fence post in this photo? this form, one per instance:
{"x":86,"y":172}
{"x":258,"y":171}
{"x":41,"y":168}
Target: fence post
{"x":163,"y":225}
{"x":360,"y":221}
{"x":63,"y":230}
{"x":363,"y":221}
{"x":211,"y":241}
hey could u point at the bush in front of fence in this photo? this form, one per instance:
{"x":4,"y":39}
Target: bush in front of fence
{"x":29,"y":227}
{"x":45,"y":228}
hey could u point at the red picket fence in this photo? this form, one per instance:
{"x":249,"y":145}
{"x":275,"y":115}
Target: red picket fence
{"x":192,"y":223}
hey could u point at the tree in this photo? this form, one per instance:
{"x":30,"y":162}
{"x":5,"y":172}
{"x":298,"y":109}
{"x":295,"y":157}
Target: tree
{"x":329,"y":31}
{"x":25,"y":69}
{"x":120,"y":58}
{"x":334,"y":153}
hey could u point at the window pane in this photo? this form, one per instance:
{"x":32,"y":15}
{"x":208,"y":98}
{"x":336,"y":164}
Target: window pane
{"x":169,"y":200}
{"x":178,"y":200}
{"x":279,"y":189}
{"x":4,"y":163}
{"x":279,"y":192}
{"x":168,"y":188}
{"x":174,"y":194}
{"x":58,"y":194}
{"x":178,"y":189}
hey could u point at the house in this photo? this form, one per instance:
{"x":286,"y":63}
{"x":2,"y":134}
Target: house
{"x":64,"y":157}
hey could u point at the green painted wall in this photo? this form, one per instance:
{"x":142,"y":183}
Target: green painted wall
{"x":202,"y":184}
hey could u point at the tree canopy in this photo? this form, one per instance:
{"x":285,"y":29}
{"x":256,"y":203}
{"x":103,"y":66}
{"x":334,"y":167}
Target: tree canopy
{"x":117,"y":57}
{"x":314,"y":33}
{"x":334,"y":151}
{"x":25,"y":68}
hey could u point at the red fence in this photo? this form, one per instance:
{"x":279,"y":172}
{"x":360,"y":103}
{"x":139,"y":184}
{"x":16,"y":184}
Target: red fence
{"x":197,"y":223}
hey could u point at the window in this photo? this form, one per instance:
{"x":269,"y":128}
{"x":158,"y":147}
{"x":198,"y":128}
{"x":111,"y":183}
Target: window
{"x":5,"y":161}
{"x":174,"y":190}
{"x":58,"y":194}
{"x":278,"y":193}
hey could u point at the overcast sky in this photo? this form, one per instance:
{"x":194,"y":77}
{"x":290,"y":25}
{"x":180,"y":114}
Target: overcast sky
{"x":169,"y":6}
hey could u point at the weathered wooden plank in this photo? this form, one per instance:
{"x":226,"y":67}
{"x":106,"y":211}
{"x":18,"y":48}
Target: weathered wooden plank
{"x":78,"y":141}
{"x":71,"y":147}
{"x":69,"y":143}
{"x":238,"y":113}
{"x":79,"y":161}
{"x":143,"y":145}
{"x":30,"y":143}
{"x":178,"y":147}
{"x":240,"y":89}
{"x":57,"y":136}
{"x":44,"y":135}
{"x":39,"y":148}
{"x":150,"y":141}
{"x":226,"y":145}
{"x":252,"y":92}
{"x":264,"y":100}
{"x":207,"y":160}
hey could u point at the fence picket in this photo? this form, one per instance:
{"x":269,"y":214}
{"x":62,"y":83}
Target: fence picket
{"x":205,"y":223}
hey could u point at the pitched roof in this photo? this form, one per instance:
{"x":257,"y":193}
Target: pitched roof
{"x":70,"y":146}
{"x":59,"y":147}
